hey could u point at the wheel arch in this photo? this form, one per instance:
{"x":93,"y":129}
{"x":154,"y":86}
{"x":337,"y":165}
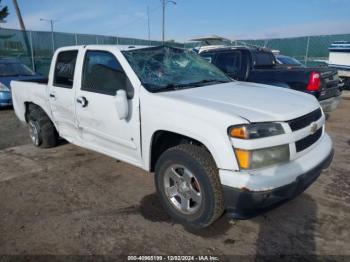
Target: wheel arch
{"x":163,"y":139}
{"x":27,"y":111}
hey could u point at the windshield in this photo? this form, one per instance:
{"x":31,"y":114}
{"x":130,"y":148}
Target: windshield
{"x":166,"y":68}
{"x":288,"y":60}
{"x":15,"y":69}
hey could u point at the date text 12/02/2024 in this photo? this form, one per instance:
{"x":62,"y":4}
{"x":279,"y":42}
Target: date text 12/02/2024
{"x":173,"y":258}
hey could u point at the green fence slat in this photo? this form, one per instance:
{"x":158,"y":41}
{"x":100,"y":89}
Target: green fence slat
{"x":36,"y":47}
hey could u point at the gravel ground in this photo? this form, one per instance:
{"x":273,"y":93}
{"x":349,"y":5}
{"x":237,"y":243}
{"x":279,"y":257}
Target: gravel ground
{"x":12,"y":132}
{"x":71,"y":201}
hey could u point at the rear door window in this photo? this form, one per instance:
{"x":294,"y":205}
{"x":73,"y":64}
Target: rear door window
{"x":263,"y":59}
{"x":229,"y":62}
{"x":209,"y":57}
{"x":64,"y":69}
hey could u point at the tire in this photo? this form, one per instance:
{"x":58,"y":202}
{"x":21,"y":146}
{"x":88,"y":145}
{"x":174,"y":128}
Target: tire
{"x":202,"y":196}
{"x":41,"y":129}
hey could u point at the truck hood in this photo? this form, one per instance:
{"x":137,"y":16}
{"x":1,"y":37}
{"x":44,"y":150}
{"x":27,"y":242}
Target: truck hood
{"x":253,"y":102}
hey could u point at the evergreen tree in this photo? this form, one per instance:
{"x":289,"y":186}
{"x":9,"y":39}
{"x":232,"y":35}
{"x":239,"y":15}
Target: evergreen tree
{"x":4,"y":12}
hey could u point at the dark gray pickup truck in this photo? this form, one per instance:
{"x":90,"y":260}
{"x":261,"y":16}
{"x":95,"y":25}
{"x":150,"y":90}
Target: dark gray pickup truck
{"x":259,"y":65}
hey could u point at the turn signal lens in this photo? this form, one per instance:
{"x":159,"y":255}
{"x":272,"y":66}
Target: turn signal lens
{"x":239,"y":132}
{"x":243,"y":157}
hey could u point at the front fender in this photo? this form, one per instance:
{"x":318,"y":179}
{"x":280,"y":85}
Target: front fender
{"x":213,"y":138}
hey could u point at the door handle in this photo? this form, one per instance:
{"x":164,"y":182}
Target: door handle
{"x":83,"y":101}
{"x":52,"y":95}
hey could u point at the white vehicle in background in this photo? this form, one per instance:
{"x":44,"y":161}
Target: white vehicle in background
{"x":214,"y":144}
{"x":339,"y":58}
{"x":210,"y":42}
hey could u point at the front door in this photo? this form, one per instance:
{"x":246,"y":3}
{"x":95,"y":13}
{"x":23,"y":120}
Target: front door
{"x":61,"y":94}
{"x":97,"y":116}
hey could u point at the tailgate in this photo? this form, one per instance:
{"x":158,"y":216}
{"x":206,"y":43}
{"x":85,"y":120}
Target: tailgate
{"x":330,"y":85}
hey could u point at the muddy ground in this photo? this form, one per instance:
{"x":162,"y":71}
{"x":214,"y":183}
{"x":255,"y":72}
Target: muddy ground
{"x":71,"y":201}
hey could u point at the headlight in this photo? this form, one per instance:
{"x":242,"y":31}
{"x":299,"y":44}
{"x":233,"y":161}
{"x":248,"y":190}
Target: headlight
{"x":258,"y":130}
{"x":4,"y":88}
{"x":254,"y":159}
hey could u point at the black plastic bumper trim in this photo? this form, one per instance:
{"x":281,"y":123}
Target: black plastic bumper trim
{"x":243,"y":204}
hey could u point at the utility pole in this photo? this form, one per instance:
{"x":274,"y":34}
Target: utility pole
{"x":51,"y":21}
{"x":19,"y":15}
{"x":163,"y":23}
{"x":149,"y":27}
{"x":23,"y":29}
{"x":307,"y":50}
{"x":164,"y":3}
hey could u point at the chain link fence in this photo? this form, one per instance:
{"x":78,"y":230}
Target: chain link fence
{"x":35,"y":48}
{"x":310,"y":50}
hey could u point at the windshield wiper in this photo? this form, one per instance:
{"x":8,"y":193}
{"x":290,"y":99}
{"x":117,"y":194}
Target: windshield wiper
{"x":206,"y":81}
{"x":170,"y":87}
{"x":173,"y":87}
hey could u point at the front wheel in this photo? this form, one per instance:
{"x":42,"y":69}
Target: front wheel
{"x":188,"y":184}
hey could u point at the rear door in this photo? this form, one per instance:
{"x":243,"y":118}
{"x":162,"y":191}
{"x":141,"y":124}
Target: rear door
{"x":61,"y":93}
{"x":98,"y":121}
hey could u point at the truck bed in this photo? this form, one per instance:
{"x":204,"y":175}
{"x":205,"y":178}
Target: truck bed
{"x":297,"y":79}
{"x":37,"y":81}
{"x":29,"y":91}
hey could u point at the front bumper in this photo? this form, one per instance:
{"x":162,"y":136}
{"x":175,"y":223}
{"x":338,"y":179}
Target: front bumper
{"x":330,"y":104}
{"x":243,"y":204}
{"x":5,"y":99}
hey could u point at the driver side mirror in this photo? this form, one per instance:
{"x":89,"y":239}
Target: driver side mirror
{"x":121,"y":103}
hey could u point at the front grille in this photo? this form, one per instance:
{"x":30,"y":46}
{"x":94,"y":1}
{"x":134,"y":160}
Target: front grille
{"x":304,"y":121}
{"x":308,"y":141}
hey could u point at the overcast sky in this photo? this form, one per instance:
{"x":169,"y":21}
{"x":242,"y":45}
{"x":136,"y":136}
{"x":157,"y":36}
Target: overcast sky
{"x":230,"y":18}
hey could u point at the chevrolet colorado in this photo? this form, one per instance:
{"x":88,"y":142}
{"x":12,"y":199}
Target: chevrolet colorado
{"x":214,"y":144}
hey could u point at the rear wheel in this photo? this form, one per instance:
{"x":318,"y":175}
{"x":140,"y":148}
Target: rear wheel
{"x":34,"y":132}
{"x":188,"y":184}
{"x":42,"y":132}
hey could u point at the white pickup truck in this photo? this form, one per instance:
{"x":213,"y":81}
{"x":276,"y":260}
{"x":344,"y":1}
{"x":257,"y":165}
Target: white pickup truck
{"x":214,"y":144}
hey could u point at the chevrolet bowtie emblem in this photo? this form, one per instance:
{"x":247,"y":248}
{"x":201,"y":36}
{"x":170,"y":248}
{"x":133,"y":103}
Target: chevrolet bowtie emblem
{"x":313,"y":128}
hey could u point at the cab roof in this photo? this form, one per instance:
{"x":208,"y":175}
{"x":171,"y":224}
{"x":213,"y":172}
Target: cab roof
{"x":227,"y":48}
{"x":118,"y":47}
